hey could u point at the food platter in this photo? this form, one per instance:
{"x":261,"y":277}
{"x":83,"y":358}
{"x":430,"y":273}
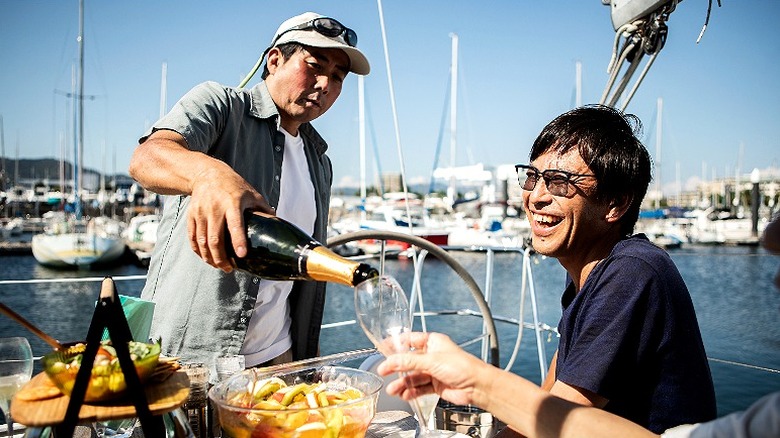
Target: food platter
{"x":107,"y":379}
{"x":33,"y":410}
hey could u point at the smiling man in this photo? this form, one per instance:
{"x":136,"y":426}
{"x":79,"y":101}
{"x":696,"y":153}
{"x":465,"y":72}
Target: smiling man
{"x":630,"y":341}
{"x":223,"y":150}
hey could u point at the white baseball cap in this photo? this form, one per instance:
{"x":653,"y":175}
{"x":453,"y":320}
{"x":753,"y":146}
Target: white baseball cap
{"x":328,"y":33}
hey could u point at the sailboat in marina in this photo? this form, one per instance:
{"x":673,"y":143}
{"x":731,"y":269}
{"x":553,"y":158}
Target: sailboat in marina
{"x":141,"y":233}
{"x":68,"y":239}
{"x":482,"y":221}
{"x":69,"y":242}
{"x":400,"y":212}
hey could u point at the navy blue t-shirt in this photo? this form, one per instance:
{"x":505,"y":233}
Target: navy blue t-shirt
{"x":631,"y":336}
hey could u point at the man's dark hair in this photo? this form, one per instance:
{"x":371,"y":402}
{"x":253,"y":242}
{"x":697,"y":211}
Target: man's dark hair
{"x":607,"y":140}
{"x":288,"y":50}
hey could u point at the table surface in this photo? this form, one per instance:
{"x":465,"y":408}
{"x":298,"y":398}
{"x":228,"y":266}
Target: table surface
{"x":395,"y":423}
{"x":389,"y":424}
{"x":383,"y":425}
{"x":399,"y":424}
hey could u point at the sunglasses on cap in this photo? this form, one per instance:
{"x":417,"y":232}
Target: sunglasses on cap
{"x":557,"y":181}
{"x":325,"y":26}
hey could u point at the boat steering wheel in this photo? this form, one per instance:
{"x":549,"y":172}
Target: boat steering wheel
{"x":442,"y":255}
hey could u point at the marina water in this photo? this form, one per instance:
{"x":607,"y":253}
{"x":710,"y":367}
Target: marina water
{"x":736,"y":303}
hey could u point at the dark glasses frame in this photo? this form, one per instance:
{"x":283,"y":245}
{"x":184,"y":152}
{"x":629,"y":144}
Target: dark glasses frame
{"x":557,"y":181}
{"x":325,"y":26}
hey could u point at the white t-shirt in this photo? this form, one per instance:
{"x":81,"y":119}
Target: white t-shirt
{"x":268,"y":333}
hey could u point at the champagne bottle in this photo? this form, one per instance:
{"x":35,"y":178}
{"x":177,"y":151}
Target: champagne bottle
{"x":279,"y":250}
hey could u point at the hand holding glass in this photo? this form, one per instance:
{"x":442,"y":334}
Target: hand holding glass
{"x":383,"y":312}
{"x":16,"y":367}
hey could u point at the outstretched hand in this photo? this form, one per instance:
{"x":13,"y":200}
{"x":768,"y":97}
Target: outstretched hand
{"x":218,"y":200}
{"x":443,"y":368}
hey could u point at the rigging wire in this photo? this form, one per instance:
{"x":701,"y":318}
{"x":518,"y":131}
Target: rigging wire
{"x":394,"y":110}
{"x":526,"y":271}
{"x":441,"y":135}
{"x":375,"y":147}
{"x":416,"y":287}
{"x":706,"y":20}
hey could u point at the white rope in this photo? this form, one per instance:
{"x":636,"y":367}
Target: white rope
{"x":416,"y":295}
{"x":615,"y":63}
{"x":627,"y":29}
{"x":633,"y":64}
{"x":614,"y":66}
{"x":526,"y":268}
{"x":639,"y":80}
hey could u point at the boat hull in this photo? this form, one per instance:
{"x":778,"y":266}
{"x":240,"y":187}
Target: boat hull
{"x":76,"y":249}
{"x":141,"y":236}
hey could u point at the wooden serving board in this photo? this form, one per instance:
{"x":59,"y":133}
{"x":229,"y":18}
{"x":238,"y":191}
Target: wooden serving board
{"x":162,"y":397}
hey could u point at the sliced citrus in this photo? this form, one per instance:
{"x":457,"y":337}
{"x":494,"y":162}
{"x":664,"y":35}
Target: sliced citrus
{"x":311,"y":430}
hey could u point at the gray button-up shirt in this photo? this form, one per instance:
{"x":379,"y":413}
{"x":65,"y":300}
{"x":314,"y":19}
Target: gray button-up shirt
{"x":202,"y":312}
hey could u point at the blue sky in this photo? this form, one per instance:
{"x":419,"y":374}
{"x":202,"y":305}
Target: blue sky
{"x":721,"y":100}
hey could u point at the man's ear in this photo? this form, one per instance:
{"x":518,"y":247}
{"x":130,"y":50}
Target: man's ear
{"x":617,"y":208}
{"x":273,"y":59}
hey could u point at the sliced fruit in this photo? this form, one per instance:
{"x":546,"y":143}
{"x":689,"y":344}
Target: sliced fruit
{"x":311,"y":430}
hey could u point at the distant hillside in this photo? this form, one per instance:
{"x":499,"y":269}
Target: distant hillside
{"x":40,"y":169}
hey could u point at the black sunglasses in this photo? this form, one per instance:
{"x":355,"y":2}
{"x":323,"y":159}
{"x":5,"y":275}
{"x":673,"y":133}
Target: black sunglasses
{"x":556,"y":181}
{"x":325,"y":26}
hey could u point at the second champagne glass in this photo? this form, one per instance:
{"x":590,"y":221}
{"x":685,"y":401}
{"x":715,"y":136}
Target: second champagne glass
{"x":16,"y":365}
{"x":383,"y":311}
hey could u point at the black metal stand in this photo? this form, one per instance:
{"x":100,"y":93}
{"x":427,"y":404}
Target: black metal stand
{"x":109,"y":315}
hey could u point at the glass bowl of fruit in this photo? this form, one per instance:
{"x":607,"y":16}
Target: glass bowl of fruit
{"x":328,"y":401}
{"x":107,"y":382}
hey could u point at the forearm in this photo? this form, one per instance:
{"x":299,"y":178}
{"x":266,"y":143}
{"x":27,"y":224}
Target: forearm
{"x":533,"y":412}
{"x":567,"y":419}
{"x":510,"y":398}
{"x":549,"y":379}
{"x":461,"y":378}
{"x":163,"y":164}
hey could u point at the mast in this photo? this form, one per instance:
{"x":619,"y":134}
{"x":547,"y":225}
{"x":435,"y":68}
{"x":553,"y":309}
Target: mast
{"x":2,"y":154}
{"x":16,"y":163}
{"x":578,"y":84}
{"x":102,"y":198}
{"x":362,"y":132}
{"x":737,"y":195}
{"x":164,"y":90}
{"x":453,"y":115}
{"x":658,"y":134}
{"x":80,"y":98}
{"x":63,"y":198}
{"x":678,"y":183}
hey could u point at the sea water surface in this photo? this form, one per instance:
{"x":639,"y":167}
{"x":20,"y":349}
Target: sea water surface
{"x":737,"y":306}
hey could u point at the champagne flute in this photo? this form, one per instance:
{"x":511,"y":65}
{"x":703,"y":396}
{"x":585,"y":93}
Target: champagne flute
{"x":16,"y":365}
{"x":383,"y":312}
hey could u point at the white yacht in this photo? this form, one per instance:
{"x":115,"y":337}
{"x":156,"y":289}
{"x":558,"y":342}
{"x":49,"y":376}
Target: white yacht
{"x":67,"y":242}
